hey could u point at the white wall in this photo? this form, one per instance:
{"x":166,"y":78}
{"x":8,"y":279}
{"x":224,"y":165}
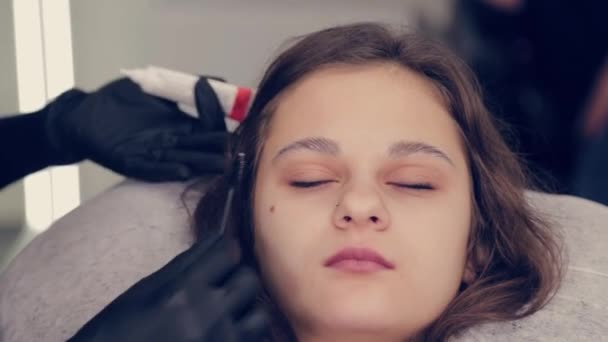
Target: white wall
{"x":230,"y":38}
{"x":11,"y":198}
{"x":8,"y":85}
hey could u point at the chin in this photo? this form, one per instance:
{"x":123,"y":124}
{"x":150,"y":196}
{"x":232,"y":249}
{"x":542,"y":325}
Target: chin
{"x":364,"y":316}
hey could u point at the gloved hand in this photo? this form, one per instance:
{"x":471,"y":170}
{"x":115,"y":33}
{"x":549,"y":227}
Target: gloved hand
{"x":203,"y":294}
{"x":132,"y":133}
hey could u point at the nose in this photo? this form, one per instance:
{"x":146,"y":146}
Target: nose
{"x":359,"y":208}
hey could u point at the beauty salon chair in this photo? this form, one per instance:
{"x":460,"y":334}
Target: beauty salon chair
{"x":87,"y":258}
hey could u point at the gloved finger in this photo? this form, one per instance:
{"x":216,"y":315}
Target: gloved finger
{"x":207,"y":141}
{"x":254,"y":325}
{"x":170,"y":271}
{"x":185,"y":156}
{"x":222,"y":331}
{"x":180,"y":264}
{"x":155,"y":171}
{"x":211,"y":268}
{"x":183,"y":126}
{"x":206,"y":169}
{"x":199,"y":161}
{"x":241,"y":291}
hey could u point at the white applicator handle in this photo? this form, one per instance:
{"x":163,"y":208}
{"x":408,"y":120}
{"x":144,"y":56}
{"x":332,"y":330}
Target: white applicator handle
{"x":180,"y":87}
{"x":172,"y":85}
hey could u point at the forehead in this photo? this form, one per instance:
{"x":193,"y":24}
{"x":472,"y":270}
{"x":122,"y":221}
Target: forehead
{"x":364,"y":106}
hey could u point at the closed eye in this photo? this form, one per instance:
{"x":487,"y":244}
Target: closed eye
{"x":304,"y":184}
{"x":414,"y":186}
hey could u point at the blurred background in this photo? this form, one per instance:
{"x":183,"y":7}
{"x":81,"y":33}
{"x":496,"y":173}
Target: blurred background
{"x":543,"y":66}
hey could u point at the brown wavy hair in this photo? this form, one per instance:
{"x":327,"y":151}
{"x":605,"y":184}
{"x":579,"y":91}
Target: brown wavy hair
{"x":517,"y":256}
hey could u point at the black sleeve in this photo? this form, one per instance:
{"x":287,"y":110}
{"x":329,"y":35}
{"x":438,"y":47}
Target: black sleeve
{"x":23,"y":146}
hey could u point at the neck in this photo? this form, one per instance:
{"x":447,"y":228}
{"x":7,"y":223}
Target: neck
{"x":350,"y":337}
{"x":310,"y":333}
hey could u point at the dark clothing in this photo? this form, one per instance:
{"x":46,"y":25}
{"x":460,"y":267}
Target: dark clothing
{"x":538,"y":66}
{"x":591,"y":179}
{"x":24,"y":144}
{"x":21,"y":154}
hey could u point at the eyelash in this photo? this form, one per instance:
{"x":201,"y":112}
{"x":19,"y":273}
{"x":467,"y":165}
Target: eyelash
{"x":414,"y":186}
{"x":304,"y":184}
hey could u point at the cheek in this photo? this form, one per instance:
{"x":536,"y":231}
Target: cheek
{"x":435,"y":238}
{"x":286,"y":245}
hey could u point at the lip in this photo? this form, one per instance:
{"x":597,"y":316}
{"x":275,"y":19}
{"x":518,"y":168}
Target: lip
{"x":356,"y":259}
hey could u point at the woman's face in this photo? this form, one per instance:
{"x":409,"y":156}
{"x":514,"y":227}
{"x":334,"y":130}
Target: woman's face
{"x":362,"y":203}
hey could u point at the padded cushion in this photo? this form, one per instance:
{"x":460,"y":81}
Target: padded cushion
{"x":87,"y":258}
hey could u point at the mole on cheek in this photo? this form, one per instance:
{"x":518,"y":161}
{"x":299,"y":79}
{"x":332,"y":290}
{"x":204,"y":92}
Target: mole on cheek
{"x":272,"y":208}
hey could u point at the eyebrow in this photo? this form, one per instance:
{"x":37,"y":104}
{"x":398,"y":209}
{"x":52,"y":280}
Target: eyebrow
{"x":405,"y":148}
{"x":398,"y":149}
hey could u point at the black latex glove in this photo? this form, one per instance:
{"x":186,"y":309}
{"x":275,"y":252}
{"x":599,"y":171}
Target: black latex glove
{"x":203,"y":294}
{"x":133,"y":133}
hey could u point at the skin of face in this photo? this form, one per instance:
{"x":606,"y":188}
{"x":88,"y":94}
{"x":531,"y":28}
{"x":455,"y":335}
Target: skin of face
{"x":391,"y":175}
